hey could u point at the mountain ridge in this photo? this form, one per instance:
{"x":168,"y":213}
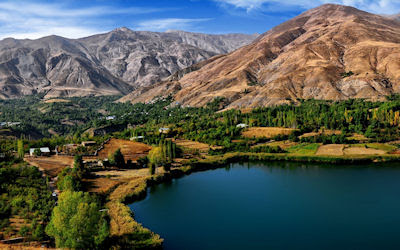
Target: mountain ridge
{"x":112,"y":63}
{"x":331,"y":52}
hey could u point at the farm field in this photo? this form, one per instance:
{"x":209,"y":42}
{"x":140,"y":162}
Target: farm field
{"x":282,"y":144}
{"x":267,"y":132}
{"x":51,"y":165}
{"x":100,"y":184}
{"x":130,"y":149}
{"x":331,"y":149}
{"x":105,"y":180}
{"x":321,"y":132}
{"x":304,"y":149}
{"x":202,"y":147}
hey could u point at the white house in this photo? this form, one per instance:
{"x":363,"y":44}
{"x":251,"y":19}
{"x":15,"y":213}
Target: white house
{"x":242,"y":125}
{"x":163,"y":130}
{"x":137,"y":137}
{"x":43,"y":151}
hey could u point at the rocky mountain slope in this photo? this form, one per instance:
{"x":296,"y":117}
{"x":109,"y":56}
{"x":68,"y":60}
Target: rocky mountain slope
{"x":106,"y":64}
{"x":331,"y":52}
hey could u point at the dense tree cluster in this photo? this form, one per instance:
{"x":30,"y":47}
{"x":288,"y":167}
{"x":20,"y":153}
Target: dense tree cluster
{"x":25,"y":194}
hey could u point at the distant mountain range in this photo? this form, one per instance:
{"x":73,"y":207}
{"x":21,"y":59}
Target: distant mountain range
{"x":332,"y":52}
{"x":113,"y":63}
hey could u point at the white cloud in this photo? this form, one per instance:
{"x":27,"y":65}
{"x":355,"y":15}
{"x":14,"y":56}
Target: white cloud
{"x":375,"y":6}
{"x":34,"y":20}
{"x":169,"y":23}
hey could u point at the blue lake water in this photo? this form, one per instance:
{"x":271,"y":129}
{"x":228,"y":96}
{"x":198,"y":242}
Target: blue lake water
{"x":277,"y":205}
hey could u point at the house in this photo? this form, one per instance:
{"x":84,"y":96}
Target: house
{"x":88,"y":143}
{"x":43,"y":151}
{"x":9,"y":124}
{"x":137,"y":137}
{"x":110,"y":117}
{"x":164,"y":130}
{"x":242,"y":125}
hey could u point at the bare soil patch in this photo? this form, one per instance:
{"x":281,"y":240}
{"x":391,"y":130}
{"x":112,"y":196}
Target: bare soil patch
{"x":267,"y":132}
{"x":321,"y":132}
{"x":331,"y":149}
{"x":51,"y":165}
{"x":202,"y":147}
{"x":100,"y":184}
{"x":130,"y":149}
{"x":282,"y":144}
{"x":363,"y":151}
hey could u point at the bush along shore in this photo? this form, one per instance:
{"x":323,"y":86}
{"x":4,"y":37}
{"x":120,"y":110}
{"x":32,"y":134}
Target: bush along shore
{"x":125,"y":232}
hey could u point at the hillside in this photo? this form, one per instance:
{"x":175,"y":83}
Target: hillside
{"x":331,"y":52}
{"x":113,"y":63}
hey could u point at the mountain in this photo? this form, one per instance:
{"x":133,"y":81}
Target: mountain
{"x":113,"y":63}
{"x":332,"y":52}
{"x":395,"y":17}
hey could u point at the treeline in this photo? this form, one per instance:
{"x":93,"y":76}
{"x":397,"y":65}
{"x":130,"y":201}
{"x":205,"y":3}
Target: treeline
{"x":24,"y":195}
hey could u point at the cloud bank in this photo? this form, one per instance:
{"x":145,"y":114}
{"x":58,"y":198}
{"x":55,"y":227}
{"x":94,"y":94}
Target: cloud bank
{"x":374,"y":6}
{"x":34,"y":20}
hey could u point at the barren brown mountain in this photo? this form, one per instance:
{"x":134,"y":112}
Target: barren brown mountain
{"x":331,"y":52}
{"x":113,"y":63}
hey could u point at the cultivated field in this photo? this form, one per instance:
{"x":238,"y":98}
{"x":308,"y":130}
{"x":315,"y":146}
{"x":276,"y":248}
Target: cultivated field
{"x":363,"y":151}
{"x":202,"y":147}
{"x":100,"y":184}
{"x":130,"y":149}
{"x":331,"y":149}
{"x":267,"y":132}
{"x":108,"y":179}
{"x":282,"y":144}
{"x":51,"y":165}
{"x":355,"y":149}
{"x":321,"y":132}
{"x":304,"y":149}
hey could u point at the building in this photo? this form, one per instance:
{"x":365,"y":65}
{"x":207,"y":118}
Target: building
{"x":43,"y":151}
{"x":110,"y":117}
{"x":242,"y":125}
{"x":163,"y":130}
{"x":137,"y":137}
{"x":88,"y":143}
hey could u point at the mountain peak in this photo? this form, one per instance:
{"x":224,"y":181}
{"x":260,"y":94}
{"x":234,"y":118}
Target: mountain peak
{"x":122,"y":29}
{"x":332,"y":52}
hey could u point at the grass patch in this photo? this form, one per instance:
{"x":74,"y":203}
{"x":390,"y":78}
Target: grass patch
{"x":304,"y":149}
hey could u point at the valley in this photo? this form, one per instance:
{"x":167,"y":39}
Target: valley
{"x":119,"y":140}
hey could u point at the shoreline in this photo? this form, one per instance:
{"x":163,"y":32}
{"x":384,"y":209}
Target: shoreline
{"x":135,"y":190}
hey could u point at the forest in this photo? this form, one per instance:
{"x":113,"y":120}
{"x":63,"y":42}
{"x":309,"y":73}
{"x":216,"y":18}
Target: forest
{"x":29,"y":210}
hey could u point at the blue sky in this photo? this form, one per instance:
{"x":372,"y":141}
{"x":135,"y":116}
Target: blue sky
{"x":73,"y":19}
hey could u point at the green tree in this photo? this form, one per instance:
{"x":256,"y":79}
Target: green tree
{"x":20,"y":149}
{"x":118,"y":158}
{"x":37,"y":152}
{"x":76,"y":222}
{"x":156,"y":156}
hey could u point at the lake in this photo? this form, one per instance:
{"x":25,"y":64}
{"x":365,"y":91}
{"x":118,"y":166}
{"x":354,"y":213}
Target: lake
{"x":277,"y":205}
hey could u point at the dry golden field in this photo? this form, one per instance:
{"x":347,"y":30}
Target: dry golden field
{"x":51,"y":165}
{"x":268,"y":132}
{"x":281,"y":144}
{"x":321,"y":132}
{"x":202,"y":147}
{"x":363,"y":151}
{"x":130,"y":149}
{"x":56,"y":100}
{"x":331,"y":149}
